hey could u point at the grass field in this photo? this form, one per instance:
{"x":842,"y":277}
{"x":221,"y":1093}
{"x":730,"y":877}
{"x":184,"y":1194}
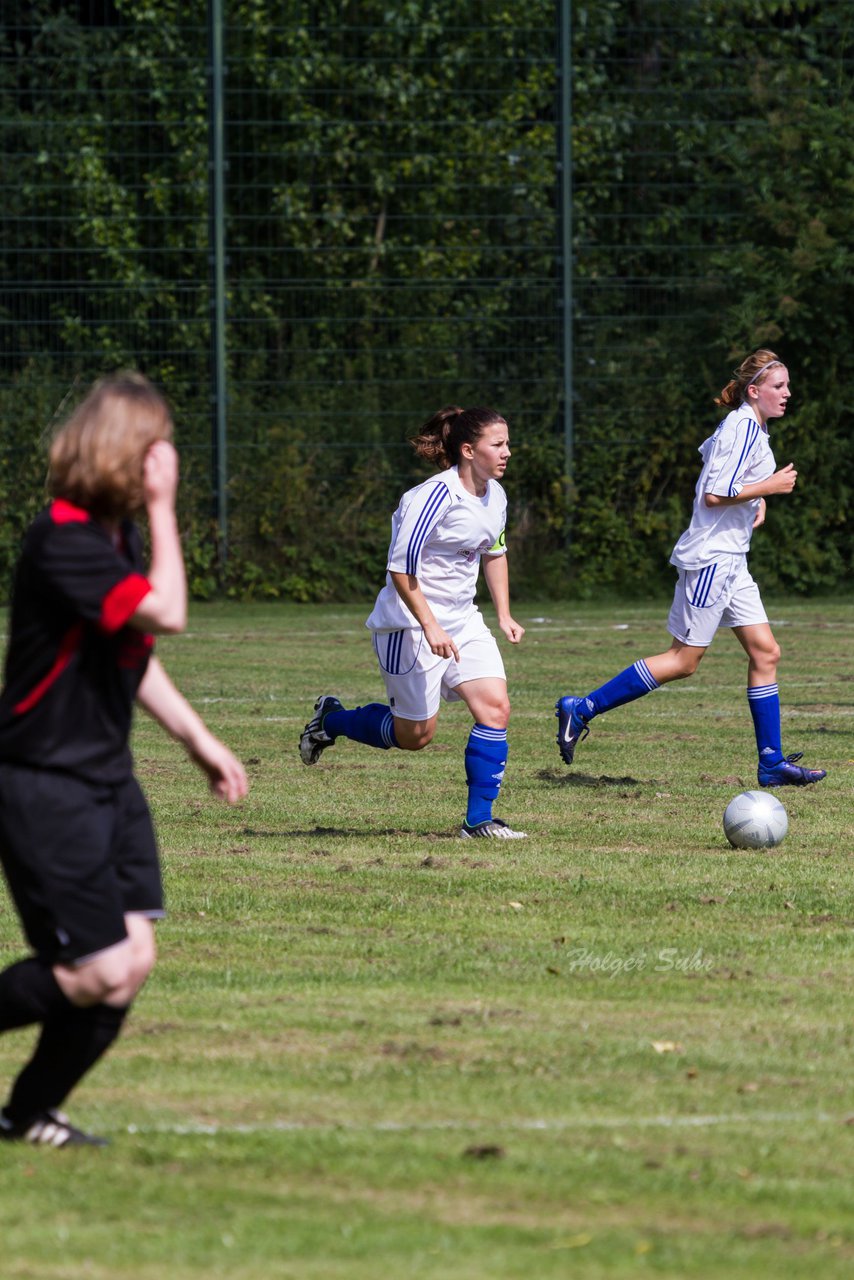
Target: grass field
{"x":617,"y":1048}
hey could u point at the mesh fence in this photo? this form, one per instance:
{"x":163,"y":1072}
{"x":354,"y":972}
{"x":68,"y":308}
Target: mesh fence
{"x":392,"y":231}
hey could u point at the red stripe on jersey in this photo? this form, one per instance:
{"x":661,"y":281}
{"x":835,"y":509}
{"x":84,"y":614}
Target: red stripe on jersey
{"x":135,"y":649}
{"x":69,"y":644}
{"x":121,"y":603}
{"x":62,"y":512}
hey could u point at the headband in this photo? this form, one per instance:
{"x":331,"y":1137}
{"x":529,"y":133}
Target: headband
{"x":761,"y":370}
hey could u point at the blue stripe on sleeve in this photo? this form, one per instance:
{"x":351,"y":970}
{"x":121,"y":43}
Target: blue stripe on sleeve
{"x":750,"y":441}
{"x":428,"y":517}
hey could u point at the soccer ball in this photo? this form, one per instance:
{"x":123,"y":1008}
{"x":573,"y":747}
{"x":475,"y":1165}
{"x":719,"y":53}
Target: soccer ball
{"x":755,"y":820}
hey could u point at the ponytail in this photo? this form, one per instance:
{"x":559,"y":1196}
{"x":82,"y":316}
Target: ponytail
{"x":750,"y":371}
{"x":440,"y":438}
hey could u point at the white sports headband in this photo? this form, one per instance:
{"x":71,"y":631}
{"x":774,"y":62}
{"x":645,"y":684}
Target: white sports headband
{"x":760,"y":371}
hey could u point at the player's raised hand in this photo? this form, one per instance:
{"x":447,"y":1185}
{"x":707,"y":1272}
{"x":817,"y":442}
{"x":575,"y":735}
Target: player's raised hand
{"x":160,"y":472}
{"x":785,"y":479}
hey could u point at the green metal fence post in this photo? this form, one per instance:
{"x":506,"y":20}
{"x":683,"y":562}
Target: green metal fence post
{"x":217,"y":257}
{"x":565,"y":213}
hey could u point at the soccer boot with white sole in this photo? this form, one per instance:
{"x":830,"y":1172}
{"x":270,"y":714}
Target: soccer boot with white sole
{"x":571,"y":726}
{"x":786,"y":773}
{"x":491,"y":829}
{"x":50,"y":1129}
{"x":314,"y":739}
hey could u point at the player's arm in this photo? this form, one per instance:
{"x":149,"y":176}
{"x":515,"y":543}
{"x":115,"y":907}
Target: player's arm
{"x":497,"y":576}
{"x":782,"y":481}
{"x":408,"y":588}
{"x":163,"y":610}
{"x":158,"y":696}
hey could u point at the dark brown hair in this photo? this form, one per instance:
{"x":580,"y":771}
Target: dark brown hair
{"x":96,"y":458}
{"x":441,"y":437}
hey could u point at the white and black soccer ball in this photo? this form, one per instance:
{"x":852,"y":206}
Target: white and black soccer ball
{"x":755,"y":820}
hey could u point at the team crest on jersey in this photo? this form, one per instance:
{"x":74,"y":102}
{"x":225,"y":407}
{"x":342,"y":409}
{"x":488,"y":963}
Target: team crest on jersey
{"x":471,"y":556}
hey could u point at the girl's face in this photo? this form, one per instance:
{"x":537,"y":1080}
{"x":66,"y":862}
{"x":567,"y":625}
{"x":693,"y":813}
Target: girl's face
{"x":771,"y":394}
{"x":489,"y":454}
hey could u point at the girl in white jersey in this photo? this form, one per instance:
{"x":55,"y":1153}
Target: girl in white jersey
{"x":429,"y":636}
{"x":715,"y":588}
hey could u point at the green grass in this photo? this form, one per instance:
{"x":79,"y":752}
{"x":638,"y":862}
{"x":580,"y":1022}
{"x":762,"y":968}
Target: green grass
{"x":617,"y":1048}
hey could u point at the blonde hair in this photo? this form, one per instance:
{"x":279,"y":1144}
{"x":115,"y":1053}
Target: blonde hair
{"x":751,"y":370}
{"x":96,"y":457}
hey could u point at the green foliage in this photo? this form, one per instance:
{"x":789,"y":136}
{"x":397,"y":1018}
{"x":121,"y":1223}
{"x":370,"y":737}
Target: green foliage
{"x":691,"y":155}
{"x":391,"y":230}
{"x":28,"y":411}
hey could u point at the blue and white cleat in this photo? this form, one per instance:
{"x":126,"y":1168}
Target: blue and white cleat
{"x":786,"y":773}
{"x":491,"y":829}
{"x":571,"y":726}
{"x":314,"y":739}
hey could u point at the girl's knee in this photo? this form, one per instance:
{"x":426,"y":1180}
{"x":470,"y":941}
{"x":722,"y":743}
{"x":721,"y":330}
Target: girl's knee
{"x":491,"y":709}
{"x":412,"y":735}
{"x":100,"y":981}
{"x":141,"y":969}
{"x":675,"y":665}
{"x":498,"y":714}
{"x":143,"y":952}
{"x":116,"y":975}
{"x":688,"y":666}
{"x":764,"y":659}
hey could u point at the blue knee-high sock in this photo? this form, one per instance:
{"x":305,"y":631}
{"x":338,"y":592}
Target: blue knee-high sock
{"x":486,"y":758}
{"x":630,"y":684}
{"x":764,"y":703}
{"x":373,"y":725}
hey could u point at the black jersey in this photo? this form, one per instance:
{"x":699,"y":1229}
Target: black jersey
{"x":73,"y":666}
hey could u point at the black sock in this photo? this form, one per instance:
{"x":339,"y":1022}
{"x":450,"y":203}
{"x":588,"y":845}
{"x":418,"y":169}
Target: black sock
{"x":70,"y":1044}
{"x":29,"y":993}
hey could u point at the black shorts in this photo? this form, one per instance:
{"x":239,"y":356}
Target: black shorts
{"x":78,"y":857}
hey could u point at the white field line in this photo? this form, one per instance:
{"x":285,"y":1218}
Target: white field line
{"x":680,"y":690}
{"x":533,"y":626}
{"x":676,"y":716}
{"x":746,"y":1120}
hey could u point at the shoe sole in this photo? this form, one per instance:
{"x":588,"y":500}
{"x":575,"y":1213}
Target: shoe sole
{"x":791,"y":782}
{"x":316,"y":748}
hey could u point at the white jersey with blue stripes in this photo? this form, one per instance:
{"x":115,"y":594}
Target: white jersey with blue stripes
{"x":438,"y":534}
{"x":738,"y":453}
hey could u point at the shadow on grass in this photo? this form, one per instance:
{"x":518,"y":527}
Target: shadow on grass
{"x":348,"y":833}
{"x":588,"y":780}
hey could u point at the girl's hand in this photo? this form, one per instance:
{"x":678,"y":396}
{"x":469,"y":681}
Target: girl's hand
{"x":784,"y":480}
{"x":512,"y":630}
{"x":441,"y":643}
{"x":160,"y":473}
{"x":226,"y":775}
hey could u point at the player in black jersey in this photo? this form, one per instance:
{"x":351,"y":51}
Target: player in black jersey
{"x":76,"y":839}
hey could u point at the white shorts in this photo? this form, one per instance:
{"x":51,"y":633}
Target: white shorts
{"x":722,"y":594}
{"x":416,"y":680}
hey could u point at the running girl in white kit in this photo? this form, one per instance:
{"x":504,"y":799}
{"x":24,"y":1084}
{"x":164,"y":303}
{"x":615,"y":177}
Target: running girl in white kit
{"x":429,"y":636}
{"x":715,"y":588}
